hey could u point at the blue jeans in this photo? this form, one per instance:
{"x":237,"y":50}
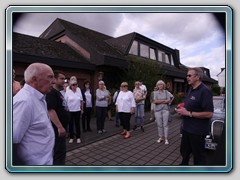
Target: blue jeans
{"x":139,"y":114}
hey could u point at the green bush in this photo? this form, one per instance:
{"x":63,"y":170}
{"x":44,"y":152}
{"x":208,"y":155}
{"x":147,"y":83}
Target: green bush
{"x":145,"y":70}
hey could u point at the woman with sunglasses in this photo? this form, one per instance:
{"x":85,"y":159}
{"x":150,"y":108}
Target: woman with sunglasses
{"x":74,"y":100}
{"x":125,"y":106}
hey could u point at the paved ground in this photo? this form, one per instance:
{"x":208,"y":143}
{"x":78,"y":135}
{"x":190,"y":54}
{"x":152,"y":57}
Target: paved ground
{"x":111,"y":149}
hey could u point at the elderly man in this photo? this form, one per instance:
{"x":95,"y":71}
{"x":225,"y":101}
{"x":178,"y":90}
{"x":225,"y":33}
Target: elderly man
{"x":33,"y":135}
{"x":196,"y":113}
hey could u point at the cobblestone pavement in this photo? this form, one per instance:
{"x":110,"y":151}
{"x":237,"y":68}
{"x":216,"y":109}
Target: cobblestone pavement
{"x":139,"y":150}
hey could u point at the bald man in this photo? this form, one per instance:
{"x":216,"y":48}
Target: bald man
{"x":33,"y":135}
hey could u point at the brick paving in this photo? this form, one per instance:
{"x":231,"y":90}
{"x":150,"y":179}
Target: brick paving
{"x":110,"y":149}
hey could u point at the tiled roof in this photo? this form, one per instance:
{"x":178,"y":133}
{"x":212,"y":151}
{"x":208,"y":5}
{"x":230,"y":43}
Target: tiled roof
{"x":170,"y":70}
{"x":29,"y":45}
{"x":93,"y":39}
{"x":122,"y":43}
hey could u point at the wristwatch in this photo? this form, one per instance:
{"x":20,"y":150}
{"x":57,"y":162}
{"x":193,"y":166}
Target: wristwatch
{"x":190,"y":114}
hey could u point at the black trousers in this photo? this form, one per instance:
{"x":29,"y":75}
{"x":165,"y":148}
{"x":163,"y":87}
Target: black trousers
{"x":86,"y":117}
{"x":101,"y":113}
{"x":74,"y":121}
{"x":125,"y":120}
{"x":193,"y":144}
{"x":60,"y":148}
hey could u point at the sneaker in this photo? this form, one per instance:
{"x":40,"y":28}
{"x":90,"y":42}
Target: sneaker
{"x":166,"y":142}
{"x":142,"y":128}
{"x":135,"y":127}
{"x":104,"y":131}
{"x":159,"y":140}
{"x":78,"y":140}
{"x":99,"y":132}
{"x":70,"y":141}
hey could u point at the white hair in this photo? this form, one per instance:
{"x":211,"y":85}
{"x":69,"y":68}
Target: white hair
{"x":161,"y":82}
{"x":101,"y":82}
{"x":34,"y":69}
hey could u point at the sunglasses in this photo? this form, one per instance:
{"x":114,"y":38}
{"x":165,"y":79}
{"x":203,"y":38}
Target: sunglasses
{"x":74,"y":84}
{"x":124,"y":86}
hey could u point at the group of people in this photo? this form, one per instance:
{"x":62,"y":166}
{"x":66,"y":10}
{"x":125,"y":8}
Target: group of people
{"x":47,"y":107}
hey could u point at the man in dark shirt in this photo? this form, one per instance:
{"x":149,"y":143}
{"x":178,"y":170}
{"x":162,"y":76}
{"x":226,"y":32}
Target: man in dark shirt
{"x":196,"y":113}
{"x":59,"y":115}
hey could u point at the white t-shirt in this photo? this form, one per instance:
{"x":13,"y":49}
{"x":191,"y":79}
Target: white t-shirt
{"x":144,"y":88}
{"x":73,"y":100}
{"x":88,"y":98}
{"x":125,"y":101}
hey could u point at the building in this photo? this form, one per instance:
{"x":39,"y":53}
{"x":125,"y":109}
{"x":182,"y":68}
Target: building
{"x":90,"y":55}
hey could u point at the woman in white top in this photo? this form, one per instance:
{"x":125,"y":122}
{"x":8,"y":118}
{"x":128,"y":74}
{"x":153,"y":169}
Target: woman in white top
{"x":125,"y":106}
{"x":88,"y":101}
{"x":75,"y":105}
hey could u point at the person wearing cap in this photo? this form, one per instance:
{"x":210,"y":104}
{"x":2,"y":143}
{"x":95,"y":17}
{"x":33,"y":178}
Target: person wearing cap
{"x":74,"y":100}
{"x":102,"y":99}
{"x":161,"y":99}
{"x":125,"y":106}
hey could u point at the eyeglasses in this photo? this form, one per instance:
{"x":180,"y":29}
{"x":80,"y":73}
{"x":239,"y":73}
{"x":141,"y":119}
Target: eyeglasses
{"x":190,"y":75}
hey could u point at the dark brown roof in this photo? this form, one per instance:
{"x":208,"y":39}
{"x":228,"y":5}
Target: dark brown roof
{"x":122,"y":43}
{"x":95,"y":40}
{"x":173,"y":71}
{"x":34,"y":46}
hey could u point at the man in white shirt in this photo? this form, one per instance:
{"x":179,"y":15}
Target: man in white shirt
{"x":143,"y":87}
{"x":33,"y":135}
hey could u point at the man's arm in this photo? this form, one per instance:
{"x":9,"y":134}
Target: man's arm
{"x":54,"y":118}
{"x":200,"y":115}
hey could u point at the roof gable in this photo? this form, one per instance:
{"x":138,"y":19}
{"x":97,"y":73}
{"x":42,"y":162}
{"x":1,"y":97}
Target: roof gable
{"x":92,"y":39}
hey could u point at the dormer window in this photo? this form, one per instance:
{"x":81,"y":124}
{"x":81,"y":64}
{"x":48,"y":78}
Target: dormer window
{"x":167,"y":59}
{"x":160,"y":56}
{"x":144,"y":50}
{"x":152,"y":54}
{"x":134,"y":48}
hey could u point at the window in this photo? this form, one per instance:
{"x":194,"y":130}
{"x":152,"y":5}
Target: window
{"x":152,"y":54}
{"x":160,"y":56}
{"x":172,"y":62}
{"x":144,"y":51}
{"x":134,"y":48}
{"x":167,"y":59}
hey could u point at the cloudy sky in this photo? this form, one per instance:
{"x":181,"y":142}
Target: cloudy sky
{"x":198,"y":36}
